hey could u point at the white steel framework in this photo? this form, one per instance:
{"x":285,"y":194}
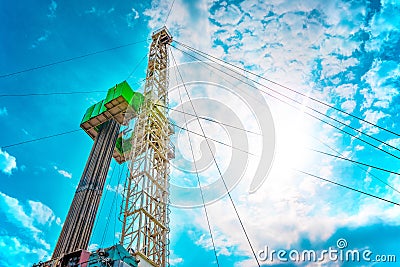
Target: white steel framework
{"x":146,"y":197}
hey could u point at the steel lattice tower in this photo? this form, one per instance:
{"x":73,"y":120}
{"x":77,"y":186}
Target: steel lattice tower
{"x":146,"y":197}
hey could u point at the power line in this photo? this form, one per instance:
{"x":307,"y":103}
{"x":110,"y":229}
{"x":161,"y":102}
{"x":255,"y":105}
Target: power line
{"x":211,"y":139}
{"x":40,"y":138}
{"x":365,"y":170}
{"x":197,"y":175}
{"x":60,"y":93}
{"x":52,"y":93}
{"x":209,"y":119}
{"x":348,"y":187}
{"x":351,"y":135}
{"x":296,"y":101}
{"x":219,"y":171}
{"x":120,"y":172}
{"x":116,"y":192}
{"x":136,"y":67}
{"x":337,"y":128}
{"x":354,"y":161}
{"x":103,"y":201}
{"x":70,"y":59}
{"x":252,"y":85}
{"x":288,"y":88}
{"x":377,"y":147}
{"x":76,"y":92}
{"x":169,"y":12}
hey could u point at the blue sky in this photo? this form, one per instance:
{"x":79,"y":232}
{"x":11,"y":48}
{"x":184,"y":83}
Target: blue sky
{"x":342,"y":52}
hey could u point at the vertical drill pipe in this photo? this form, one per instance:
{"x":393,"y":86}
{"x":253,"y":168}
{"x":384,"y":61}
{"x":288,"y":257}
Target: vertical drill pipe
{"x":78,"y":225}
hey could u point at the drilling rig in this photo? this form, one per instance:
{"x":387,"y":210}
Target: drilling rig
{"x":145,"y":225}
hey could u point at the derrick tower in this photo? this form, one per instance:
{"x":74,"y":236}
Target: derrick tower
{"x":145,"y":207}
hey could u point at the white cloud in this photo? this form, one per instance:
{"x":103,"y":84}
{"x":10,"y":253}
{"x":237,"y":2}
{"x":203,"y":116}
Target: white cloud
{"x":91,"y":10}
{"x":223,"y":245}
{"x":63,"y":172}
{"x":346,"y":91}
{"x":52,"y":9}
{"x":41,"y":213}
{"x":175,"y":261}
{"x":349,"y":105}
{"x":359,"y":147}
{"x":41,"y":39}
{"x":16,"y":213}
{"x":3,"y":111}
{"x":29,"y":224}
{"x":14,"y":251}
{"x":99,"y":12}
{"x":93,"y":247}
{"x":118,"y":235}
{"x":132,"y":17}
{"x":378,"y":78}
{"x":372,"y":117}
{"x":7,"y":162}
{"x":136,"y":14}
{"x":228,"y":14}
{"x":393,"y":142}
{"x":118,"y":188}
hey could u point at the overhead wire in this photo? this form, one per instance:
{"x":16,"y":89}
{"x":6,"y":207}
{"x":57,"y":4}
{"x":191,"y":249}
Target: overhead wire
{"x":102,"y":203}
{"x":317,"y":151}
{"x":70,"y":59}
{"x":354,"y":161}
{"x":116,"y":215}
{"x":197,"y":174}
{"x":288,"y":88}
{"x":183,"y":128}
{"x":112,"y":204}
{"x":296,"y":101}
{"x":216,"y":164}
{"x":61,"y":93}
{"x":169,"y":12}
{"x":212,"y":139}
{"x":365,"y":170}
{"x":136,"y":67}
{"x":301,"y":110}
{"x":52,"y":93}
{"x":64,"y":93}
{"x":208,"y":119}
{"x":40,"y":138}
{"x":78,"y":92}
{"x":348,"y":187}
{"x":325,"y":115}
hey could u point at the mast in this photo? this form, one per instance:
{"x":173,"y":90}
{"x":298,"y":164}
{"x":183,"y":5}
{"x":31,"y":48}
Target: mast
{"x":146,"y":196}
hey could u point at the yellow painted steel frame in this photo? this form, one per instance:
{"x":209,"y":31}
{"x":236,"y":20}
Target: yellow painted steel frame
{"x":146,"y":196}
